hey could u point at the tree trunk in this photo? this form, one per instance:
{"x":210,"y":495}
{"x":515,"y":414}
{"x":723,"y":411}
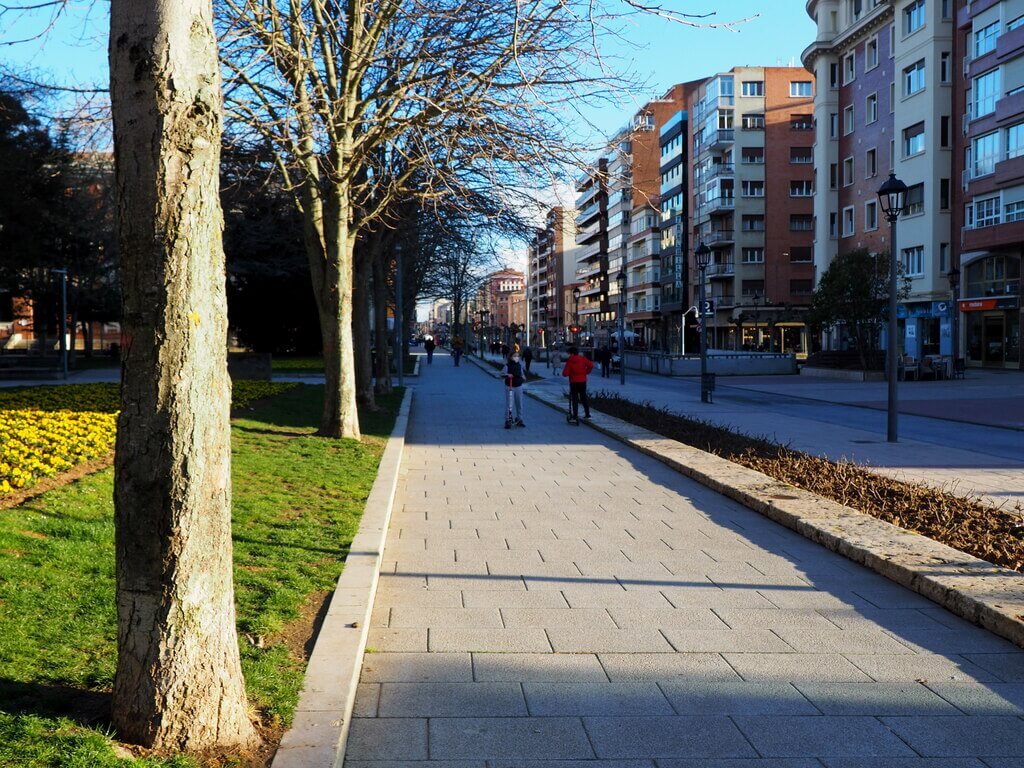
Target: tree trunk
{"x":381,"y":298}
{"x":361,"y":333}
{"x":178,"y":684}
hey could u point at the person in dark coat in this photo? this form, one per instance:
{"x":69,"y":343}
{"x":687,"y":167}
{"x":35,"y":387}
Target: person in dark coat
{"x":527,"y":358}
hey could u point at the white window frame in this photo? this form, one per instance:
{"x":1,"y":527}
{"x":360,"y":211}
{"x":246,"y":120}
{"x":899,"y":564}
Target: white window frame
{"x":915,"y":12}
{"x":756,"y":88}
{"x":913,"y":260}
{"x":849,"y":120}
{"x":985,"y":164}
{"x":984,"y":40}
{"x":871,"y":53}
{"x":849,"y":217}
{"x":991,"y":96}
{"x":870,"y":220}
{"x":992,"y":213}
{"x":871,"y":107}
{"x":795,"y":86}
{"x":849,"y":177}
{"x":914,"y":75}
{"x":871,"y":168}
{"x":756,"y":256}
{"x":849,"y":69}
{"x":917,"y":137}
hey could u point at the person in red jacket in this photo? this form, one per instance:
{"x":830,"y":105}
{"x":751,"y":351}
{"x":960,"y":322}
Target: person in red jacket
{"x":577,"y":368}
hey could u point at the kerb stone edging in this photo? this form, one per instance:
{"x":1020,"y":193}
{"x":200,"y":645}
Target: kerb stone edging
{"x":317,"y":736}
{"x":979,"y":591}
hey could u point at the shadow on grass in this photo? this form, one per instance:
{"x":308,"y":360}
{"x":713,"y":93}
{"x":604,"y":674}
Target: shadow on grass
{"x":280,"y":411}
{"x":88,"y":708}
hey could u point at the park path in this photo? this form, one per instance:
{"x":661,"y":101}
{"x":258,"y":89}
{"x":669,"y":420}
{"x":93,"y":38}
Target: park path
{"x":550,"y":595}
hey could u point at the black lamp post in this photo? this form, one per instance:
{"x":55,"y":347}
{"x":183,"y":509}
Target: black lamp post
{"x":703,"y":257}
{"x":954,"y":287}
{"x":576,"y":313}
{"x":483,"y":317}
{"x":620,"y":280}
{"x":892,"y":196}
{"x":757,"y":320}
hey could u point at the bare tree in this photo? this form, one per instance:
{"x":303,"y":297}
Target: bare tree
{"x":179,"y":681}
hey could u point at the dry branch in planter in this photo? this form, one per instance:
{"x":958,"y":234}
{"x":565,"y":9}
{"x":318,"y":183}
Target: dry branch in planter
{"x":965,"y":523}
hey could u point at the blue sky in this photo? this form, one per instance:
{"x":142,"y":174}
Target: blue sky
{"x":73,"y":52}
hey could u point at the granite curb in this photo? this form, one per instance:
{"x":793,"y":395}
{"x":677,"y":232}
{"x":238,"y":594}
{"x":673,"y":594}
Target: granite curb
{"x":317,"y":736}
{"x":982,"y":593}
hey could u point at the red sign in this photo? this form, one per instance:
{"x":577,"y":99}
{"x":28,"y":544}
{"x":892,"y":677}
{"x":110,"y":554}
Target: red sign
{"x":975,"y":305}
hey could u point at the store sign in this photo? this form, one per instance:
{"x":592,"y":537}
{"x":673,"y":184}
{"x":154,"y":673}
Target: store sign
{"x":978,"y":305}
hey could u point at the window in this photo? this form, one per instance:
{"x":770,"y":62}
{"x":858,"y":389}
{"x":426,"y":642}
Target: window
{"x":913,"y":140}
{"x":753,"y":223}
{"x":801,"y":188}
{"x":944,"y":131}
{"x":753,"y":256}
{"x":753,"y":189}
{"x":946,"y":5}
{"x":985,"y":93}
{"x":799,"y":155}
{"x":833,"y":175}
{"x":986,"y":212}
{"x":1015,"y":141}
{"x":753,"y":120}
{"x":985,"y":39}
{"x":915,"y":200}
{"x":871,"y":53}
{"x":801,"y":222}
{"x":833,"y":75}
{"x":800,"y":88}
{"x":913,"y":17}
{"x":802,"y":287}
{"x":848,"y":223}
{"x":944,"y":70}
{"x":943,"y":194}
{"x":892,"y":154}
{"x":913,"y":78}
{"x":847,"y":171}
{"x":943,"y":257}
{"x":848,"y":123}
{"x":872,"y":108}
{"x":849,"y":69}
{"x":752,"y":88}
{"x":985,"y":154}
{"x":752,"y":287}
{"x":870,"y":163}
{"x":833,"y":125}
{"x":833,"y":224}
{"x":801,"y":254}
{"x":870,"y":215}
{"x":1014,"y":212}
{"x":1014,"y":23}
{"x":913,"y":260}
{"x":892,"y":97}
{"x":753,"y":155}
{"x":801,"y":122}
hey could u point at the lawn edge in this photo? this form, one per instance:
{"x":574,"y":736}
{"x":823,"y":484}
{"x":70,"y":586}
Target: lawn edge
{"x":981,"y":592}
{"x":320,"y":727}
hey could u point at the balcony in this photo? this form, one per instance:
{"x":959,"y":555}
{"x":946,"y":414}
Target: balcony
{"x":643,"y":277}
{"x":592,"y":290}
{"x":588,"y":213}
{"x":716,"y":170}
{"x":586,"y":234}
{"x":1009,"y":44}
{"x":719,"y":237}
{"x":719,"y":205}
{"x":643,"y":304}
{"x":721,"y":270}
{"x":724,"y":302}
{"x":720,"y":139}
{"x":588,"y":252}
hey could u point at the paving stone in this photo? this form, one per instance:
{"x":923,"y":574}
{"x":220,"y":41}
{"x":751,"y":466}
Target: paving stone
{"x":930,"y":668}
{"x":602,"y":640}
{"x":903,"y":762}
{"x":544,"y":598}
{"x":445,"y":617}
{"x":736,"y":698}
{"x":568,"y":764}
{"x":388,"y":738}
{"x":821,"y":736}
{"x":961,"y":736}
{"x":350,"y":763}
{"x":666,"y":737}
{"x":796,"y":667}
{"x":420,"y":598}
{"x":953,"y":641}
{"x":875,"y":699}
{"x":580,"y":620}
{"x":896,"y":620}
{"x":417,"y":667}
{"x":496,"y":737}
{"x":1008,"y":667}
{"x":686,"y":618}
{"x":754,"y":763}
{"x":722,"y":640}
{"x":839,"y":640}
{"x":592,"y":699}
{"x":527,"y":667}
{"x":983,"y":698}
{"x":367,"y":696}
{"x":452,"y":700}
{"x":519,"y":640}
{"x":772,"y":618}
{"x":612,"y":596}
{"x":624,"y":667}
{"x":397,"y":640}
{"x":714,"y":597}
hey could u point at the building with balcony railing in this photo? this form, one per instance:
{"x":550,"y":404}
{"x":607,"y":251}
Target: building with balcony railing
{"x":552,"y":256}
{"x":988,"y":161}
{"x":885,"y":78}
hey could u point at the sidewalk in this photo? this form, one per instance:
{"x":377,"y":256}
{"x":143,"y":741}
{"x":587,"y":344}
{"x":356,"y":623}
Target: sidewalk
{"x":550,"y":595}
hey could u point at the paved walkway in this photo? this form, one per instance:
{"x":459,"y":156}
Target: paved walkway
{"x":551,"y":595}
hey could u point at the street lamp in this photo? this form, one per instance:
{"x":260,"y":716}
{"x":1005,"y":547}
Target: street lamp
{"x":892,"y":196}
{"x":703,"y":257}
{"x":757,"y":320}
{"x":483,"y":316}
{"x":576,"y":313}
{"x":63,"y":319}
{"x":620,"y":280}
{"x":954,"y":286}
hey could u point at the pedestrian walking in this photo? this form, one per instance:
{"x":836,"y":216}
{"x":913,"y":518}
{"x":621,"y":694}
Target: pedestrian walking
{"x":429,"y":346}
{"x":457,"y":346}
{"x":604,"y":356}
{"x":527,"y":358}
{"x":514,"y":374}
{"x":577,"y":368}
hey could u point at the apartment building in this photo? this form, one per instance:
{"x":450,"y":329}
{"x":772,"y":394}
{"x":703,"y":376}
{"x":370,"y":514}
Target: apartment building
{"x":751,"y":139}
{"x":591,"y":246}
{"x":552,"y":254}
{"x":499,"y":293}
{"x":988,"y":160}
{"x":884,"y":71}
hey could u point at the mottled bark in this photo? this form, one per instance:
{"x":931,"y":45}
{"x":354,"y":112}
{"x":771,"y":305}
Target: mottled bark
{"x":178,"y":684}
{"x":381,"y":297}
{"x":361,"y":291}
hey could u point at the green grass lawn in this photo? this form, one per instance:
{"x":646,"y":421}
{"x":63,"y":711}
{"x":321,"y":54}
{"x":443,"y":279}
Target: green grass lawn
{"x":297,"y":503}
{"x":313,"y":365}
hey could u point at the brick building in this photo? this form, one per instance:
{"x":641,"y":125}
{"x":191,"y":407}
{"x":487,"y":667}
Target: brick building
{"x":552,"y":256}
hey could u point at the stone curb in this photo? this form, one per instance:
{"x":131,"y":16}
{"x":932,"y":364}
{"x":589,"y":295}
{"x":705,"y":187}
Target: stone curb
{"x":318,"y":734}
{"x":979,"y":591}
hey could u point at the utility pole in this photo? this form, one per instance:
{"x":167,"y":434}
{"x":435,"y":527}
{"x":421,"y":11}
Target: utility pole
{"x":63,"y":272}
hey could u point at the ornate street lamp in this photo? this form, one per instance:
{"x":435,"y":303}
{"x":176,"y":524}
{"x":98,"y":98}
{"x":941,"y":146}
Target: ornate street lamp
{"x":576,"y":314}
{"x":954,"y":287}
{"x":703,"y":257}
{"x":620,"y":280}
{"x":483,"y":317}
{"x":892,"y":196}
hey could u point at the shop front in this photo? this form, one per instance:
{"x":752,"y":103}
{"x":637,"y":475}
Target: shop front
{"x":926,"y":328}
{"x":990,"y":312}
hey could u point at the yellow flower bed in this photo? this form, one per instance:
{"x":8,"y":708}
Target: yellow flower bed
{"x":47,"y":430}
